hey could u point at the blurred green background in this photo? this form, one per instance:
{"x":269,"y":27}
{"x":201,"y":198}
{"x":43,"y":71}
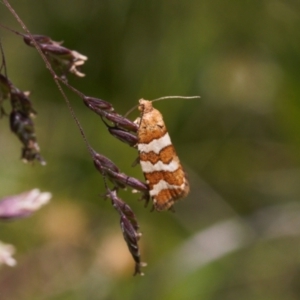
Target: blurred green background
{"x":237,"y":235}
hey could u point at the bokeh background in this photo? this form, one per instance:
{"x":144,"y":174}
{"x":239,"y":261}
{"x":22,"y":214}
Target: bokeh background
{"x":237,"y":235}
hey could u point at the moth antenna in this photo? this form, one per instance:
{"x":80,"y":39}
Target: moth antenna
{"x":174,"y":97}
{"x":162,"y":98}
{"x":131,"y":110}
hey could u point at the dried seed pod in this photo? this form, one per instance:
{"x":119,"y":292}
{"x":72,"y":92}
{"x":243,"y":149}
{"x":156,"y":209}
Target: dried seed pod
{"x":40,"y":39}
{"x":96,"y":104}
{"x":124,"y":180}
{"x":64,"y":59}
{"x":129,"y":228}
{"x":5,"y":86}
{"x":103,"y":163}
{"x":123,"y":136}
{"x":23,"y":127}
{"x":21,"y":103}
{"x":119,"y":120}
{"x":123,"y":208}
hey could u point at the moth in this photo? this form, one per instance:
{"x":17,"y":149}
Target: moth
{"x":158,"y":159}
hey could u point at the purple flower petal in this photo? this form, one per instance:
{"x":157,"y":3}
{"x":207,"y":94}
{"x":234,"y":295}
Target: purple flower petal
{"x":23,"y":205}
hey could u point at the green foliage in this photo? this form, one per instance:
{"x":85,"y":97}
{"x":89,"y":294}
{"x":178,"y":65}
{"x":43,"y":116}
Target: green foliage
{"x":239,"y":144}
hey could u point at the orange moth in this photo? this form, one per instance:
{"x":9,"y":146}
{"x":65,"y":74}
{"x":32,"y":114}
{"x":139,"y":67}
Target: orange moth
{"x":159,"y":162}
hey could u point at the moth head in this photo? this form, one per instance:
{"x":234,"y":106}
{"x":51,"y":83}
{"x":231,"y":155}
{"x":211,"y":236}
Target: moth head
{"x":145,"y":106}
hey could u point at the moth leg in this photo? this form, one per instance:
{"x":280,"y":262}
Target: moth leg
{"x":136,"y":162}
{"x":137,"y":121}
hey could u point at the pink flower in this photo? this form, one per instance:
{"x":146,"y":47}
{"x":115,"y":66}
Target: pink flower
{"x":23,"y":205}
{"x":6,"y":252}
